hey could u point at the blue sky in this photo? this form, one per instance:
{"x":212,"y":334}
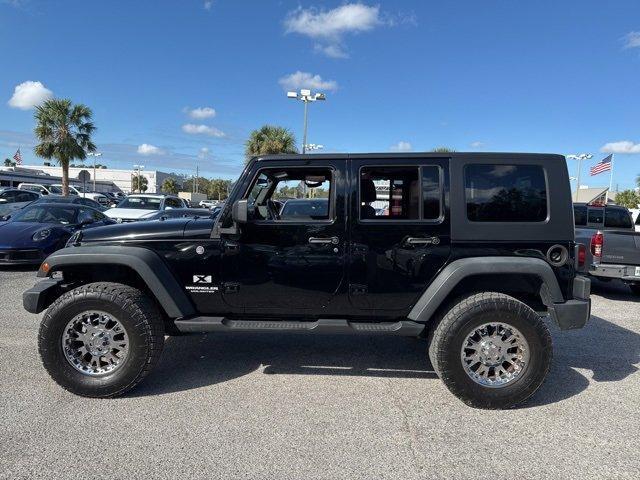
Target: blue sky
{"x":545,"y":76}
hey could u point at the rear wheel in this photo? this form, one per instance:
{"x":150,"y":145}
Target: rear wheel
{"x":491,"y":350}
{"x":101,"y":339}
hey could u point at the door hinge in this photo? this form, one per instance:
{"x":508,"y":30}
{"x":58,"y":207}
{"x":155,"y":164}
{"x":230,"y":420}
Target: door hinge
{"x":357,"y":289}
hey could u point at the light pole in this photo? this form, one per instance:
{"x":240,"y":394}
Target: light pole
{"x":579,"y":158}
{"x":313,"y":146}
{"x":138,"y":169}
{"x":94,"y":155}
{"x":306,"y":96}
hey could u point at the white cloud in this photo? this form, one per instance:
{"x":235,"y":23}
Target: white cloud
{"x":632,"y":40}
{"x":329,"y":27}
{"x":208,"y":5}
{"x":194,"y":129}
{"x":624,"y":146}
{"x":297,"y":80}
{"x":200,"y":112}
{"x":29,"y":94}
{"x":401,"y":146}
{"x":477,"y":144}
{"x":147,"y":149}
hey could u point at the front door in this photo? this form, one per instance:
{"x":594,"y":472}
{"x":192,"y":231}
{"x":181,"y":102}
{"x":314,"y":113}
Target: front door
{"x":400,"y":231}
{"x":289,"y":255}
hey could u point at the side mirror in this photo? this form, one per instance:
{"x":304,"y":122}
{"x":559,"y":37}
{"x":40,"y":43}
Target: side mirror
{"x":88,"y":220}
{"x":239,"y":211}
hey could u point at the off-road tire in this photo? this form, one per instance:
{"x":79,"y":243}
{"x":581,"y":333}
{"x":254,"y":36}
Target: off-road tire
{"x":139,"y":316}
{"x":635,"y":288}
{"x":446,"y":339}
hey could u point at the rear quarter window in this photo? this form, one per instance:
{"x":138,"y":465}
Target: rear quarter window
{"x":505,"y":193}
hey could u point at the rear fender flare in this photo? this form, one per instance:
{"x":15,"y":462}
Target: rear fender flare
{"x":456,"y":271}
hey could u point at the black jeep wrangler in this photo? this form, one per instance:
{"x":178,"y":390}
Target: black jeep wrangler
{"x":470,"y":251}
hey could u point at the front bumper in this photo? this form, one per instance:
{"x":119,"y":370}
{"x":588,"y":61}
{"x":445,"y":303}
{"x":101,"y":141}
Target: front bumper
{"x":626,"y":273}
{"x":13,"y":256}
{"x":41,"y":295}
{"x":573,"y":313}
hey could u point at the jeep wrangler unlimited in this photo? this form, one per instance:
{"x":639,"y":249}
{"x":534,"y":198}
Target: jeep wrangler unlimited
{"x":470,"y":251}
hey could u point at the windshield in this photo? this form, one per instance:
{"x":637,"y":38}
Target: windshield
{"x":55,"y":189}
{"x":141,"y":203}
{"x":47,"y":214}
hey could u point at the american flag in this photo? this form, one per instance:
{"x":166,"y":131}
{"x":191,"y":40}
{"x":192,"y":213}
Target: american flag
{"x":602,"y":166}
{"x":18,"y":157}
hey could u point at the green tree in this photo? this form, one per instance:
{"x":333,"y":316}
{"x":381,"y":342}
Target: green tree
{"x":202,"y":184}
{"x":443,"y":150}
{"x":628,"y":198}
{"x":64,"y":132}
{"x":139,"y":183}
{"x":270,"y":139}
{"x":9,"y":163}
{"x":170,"y":186}
{"x":219,"y":188}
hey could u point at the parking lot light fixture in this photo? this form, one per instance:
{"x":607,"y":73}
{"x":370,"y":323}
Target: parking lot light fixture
{"x":94,"y":155}
{"x":579,"y":158}
{"x":305,"y":96}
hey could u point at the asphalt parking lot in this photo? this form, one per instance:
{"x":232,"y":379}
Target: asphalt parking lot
{"x":292,"y":406}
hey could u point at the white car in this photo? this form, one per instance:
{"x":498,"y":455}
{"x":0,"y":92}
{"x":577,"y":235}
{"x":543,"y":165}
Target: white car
{"x":207,"y":203}
{"x":95,"y":196}
{"x":140,"y":205}
{"x":36,"y":187}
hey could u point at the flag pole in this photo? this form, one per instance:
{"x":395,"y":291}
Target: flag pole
{"x":606,"y":200}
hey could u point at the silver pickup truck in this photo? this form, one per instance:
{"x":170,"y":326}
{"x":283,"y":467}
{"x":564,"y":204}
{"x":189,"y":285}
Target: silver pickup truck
{"x":613,"y":245}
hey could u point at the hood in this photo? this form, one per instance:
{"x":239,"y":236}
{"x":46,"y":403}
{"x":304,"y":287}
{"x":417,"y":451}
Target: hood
{"x":19,"y":234}
{"x":165,"y":230}
{"x":128,"y":213}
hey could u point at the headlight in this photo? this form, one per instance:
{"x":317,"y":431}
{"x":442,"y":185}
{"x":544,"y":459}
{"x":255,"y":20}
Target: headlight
{"x":41,"y":235}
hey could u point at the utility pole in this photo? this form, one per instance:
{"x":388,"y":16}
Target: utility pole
{"x":94,"y":155}
{"x":305,"y":96}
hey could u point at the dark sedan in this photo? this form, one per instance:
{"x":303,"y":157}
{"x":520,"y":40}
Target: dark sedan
{"x":38,"y":230}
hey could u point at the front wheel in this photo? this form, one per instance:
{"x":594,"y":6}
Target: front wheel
{"x":491,"y":350}
{"x":101,"y":339}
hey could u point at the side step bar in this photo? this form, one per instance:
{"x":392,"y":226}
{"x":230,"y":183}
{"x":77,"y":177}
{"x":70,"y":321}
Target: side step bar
{"x":406,"y":328}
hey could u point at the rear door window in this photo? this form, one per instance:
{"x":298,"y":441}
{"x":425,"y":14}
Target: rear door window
{"x":390,"y":193}
{"x":506,"y":193}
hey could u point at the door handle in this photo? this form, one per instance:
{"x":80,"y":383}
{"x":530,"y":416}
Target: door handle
{"x":332,"y":240}
{"x":422,"y":240}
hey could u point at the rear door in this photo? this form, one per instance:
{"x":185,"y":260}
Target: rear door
{"x":400,"y":230}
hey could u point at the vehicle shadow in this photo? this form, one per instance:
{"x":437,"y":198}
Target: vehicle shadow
{"x":613,"y":290}
{"x":19,"y":268}
{"x":190,"y":362}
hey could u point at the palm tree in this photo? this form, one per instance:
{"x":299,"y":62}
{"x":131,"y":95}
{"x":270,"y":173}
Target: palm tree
{"x":270,"y":139}
{"x":139,"y":183}
{"x":9,"y":163}
{"x":170,"y":186}
{"x":64,"y":132}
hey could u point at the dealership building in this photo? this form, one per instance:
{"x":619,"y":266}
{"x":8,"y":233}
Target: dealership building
{"x":107,"y":179}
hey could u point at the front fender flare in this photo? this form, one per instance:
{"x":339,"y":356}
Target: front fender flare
{"x":146,"y":263}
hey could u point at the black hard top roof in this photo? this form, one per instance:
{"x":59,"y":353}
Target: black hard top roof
{"x":404,"y":155}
